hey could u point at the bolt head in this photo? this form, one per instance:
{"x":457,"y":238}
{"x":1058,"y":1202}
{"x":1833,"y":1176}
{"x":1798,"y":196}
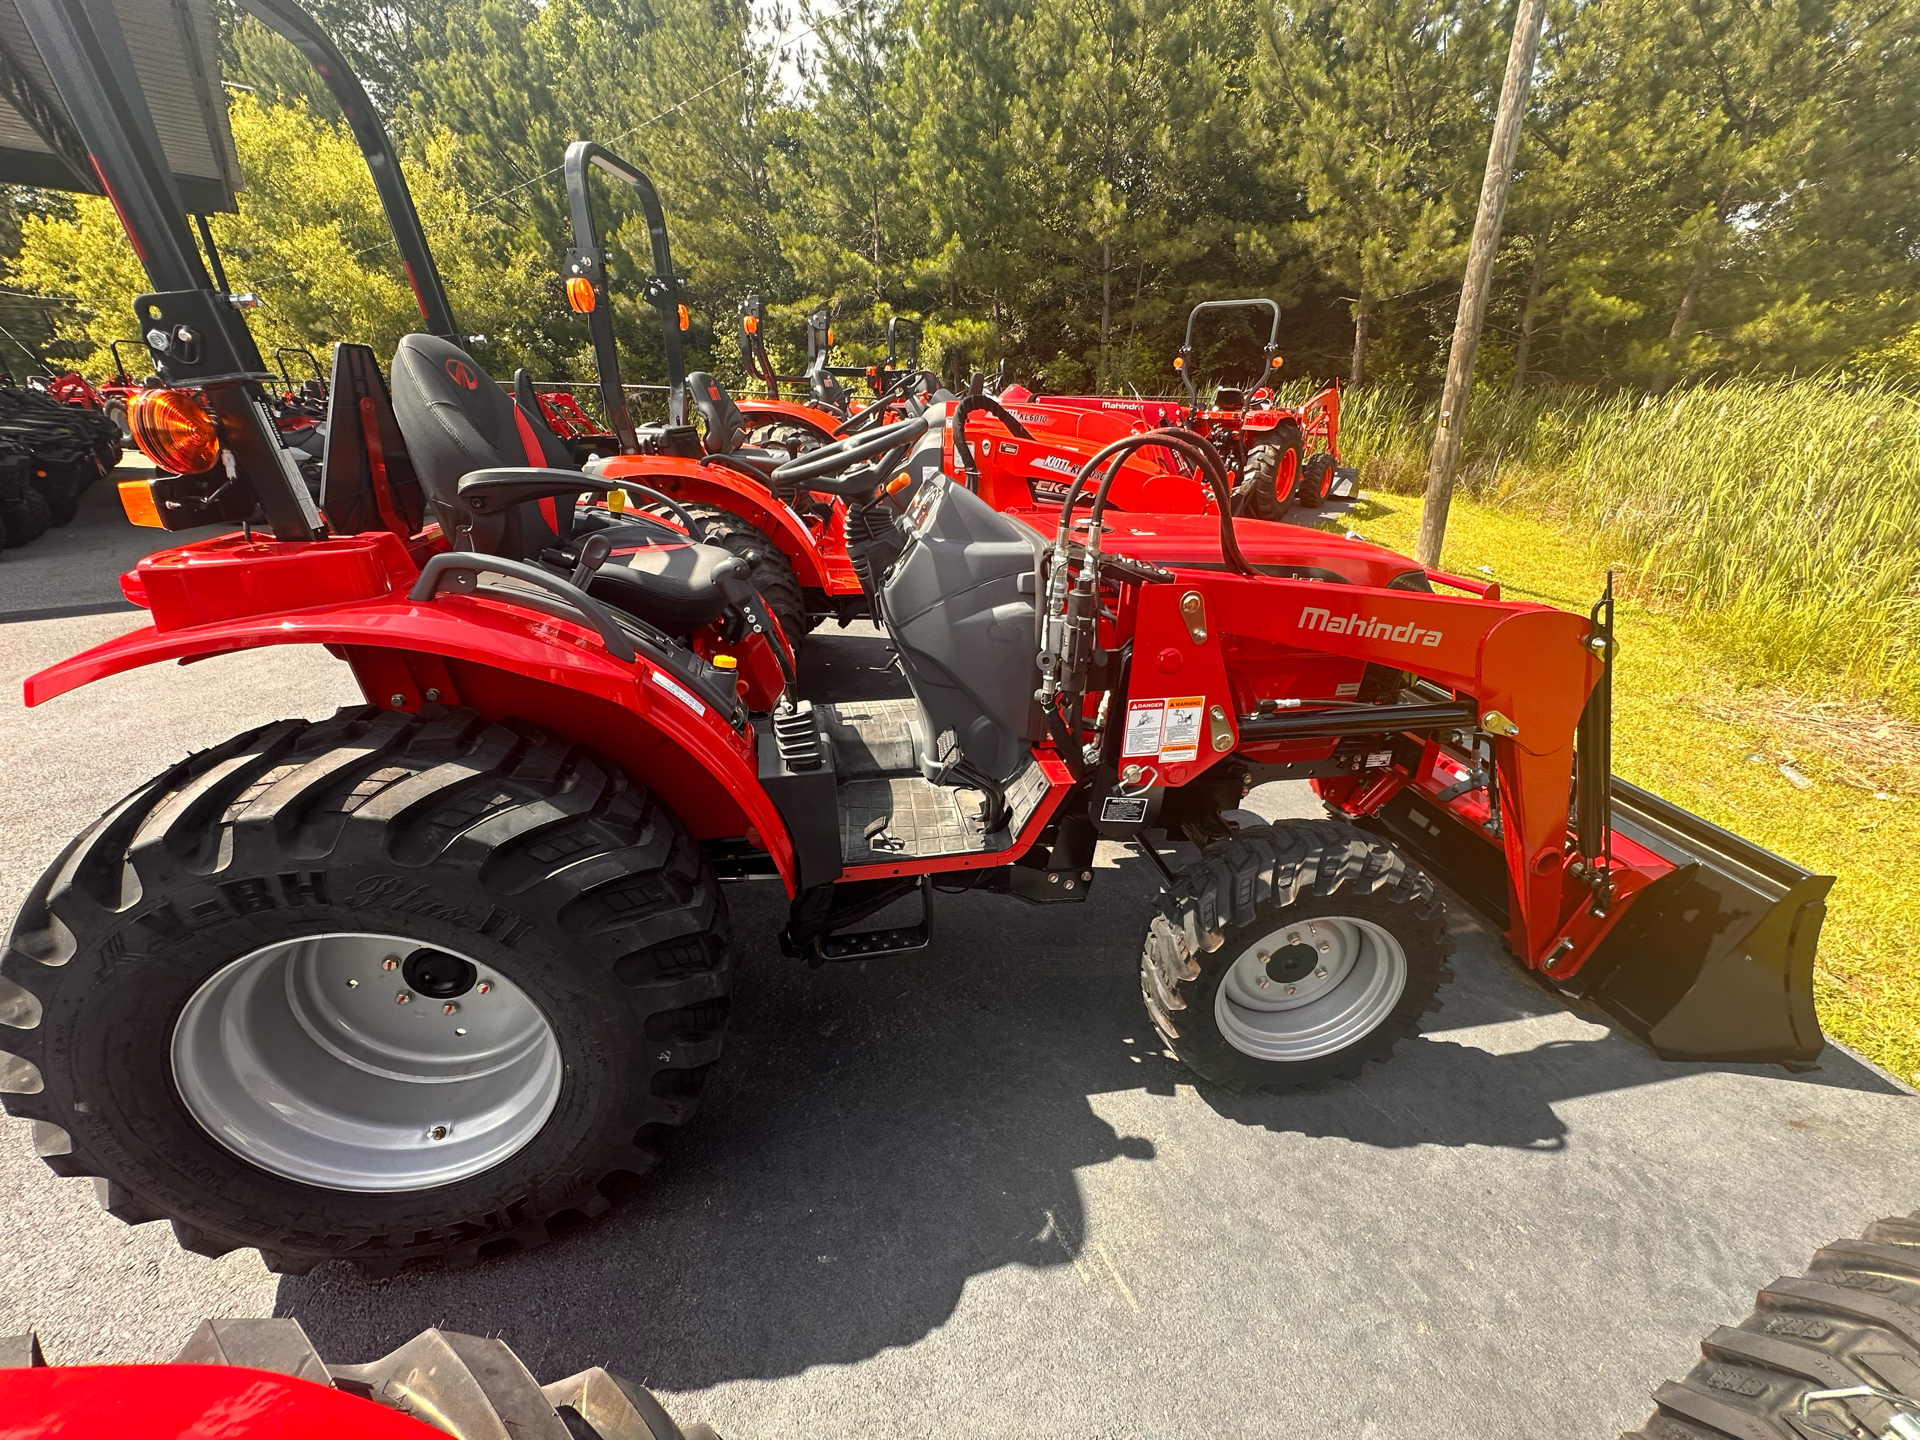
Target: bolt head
{"x":438,"y":1132}
{"x":1292,"y":988}
{"x":433,"y":694}
{"x":392,"y":962}
{"x":1086,"y":876}
{"x":398,"y":700}
{"x":484,"y":986}
{"x":353,"y":984}
{"x":1325,"y":946}
{"x":1320,"y":974}
{"x":1262,"y":982}
{"x":1053,"y":879}
{"x":450,"y":1008}
{"x":403,"y":998}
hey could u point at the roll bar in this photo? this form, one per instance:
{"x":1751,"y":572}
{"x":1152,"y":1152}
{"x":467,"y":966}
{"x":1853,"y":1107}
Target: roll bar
{"x":1185,"y":363}
{"x":588,"y":260}
{"x":287,"y":19}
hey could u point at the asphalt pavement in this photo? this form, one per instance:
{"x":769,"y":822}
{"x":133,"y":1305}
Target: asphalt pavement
{"x":961,"y":1192}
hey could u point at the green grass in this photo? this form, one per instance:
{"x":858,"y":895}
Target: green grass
{"x":1782,"y":516}
{"x":1691,"y":709}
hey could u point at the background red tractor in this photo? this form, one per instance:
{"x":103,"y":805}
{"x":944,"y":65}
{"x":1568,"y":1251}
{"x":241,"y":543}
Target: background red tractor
{"x":1280,"y":456}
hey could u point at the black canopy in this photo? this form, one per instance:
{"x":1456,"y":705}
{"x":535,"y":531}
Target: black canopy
{"x":172,"y":47}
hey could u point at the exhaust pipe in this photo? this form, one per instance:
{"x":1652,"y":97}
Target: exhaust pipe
{"x":1715,"y":960}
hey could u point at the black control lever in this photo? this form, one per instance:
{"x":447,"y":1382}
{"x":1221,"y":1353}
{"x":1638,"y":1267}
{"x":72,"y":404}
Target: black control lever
{"x":593,"y":554}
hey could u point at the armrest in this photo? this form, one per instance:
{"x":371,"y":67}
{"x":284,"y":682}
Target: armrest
{"x":460,"y":571}
{"x":487,"y":492}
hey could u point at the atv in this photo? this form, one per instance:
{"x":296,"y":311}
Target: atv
{"x":419,"y":980}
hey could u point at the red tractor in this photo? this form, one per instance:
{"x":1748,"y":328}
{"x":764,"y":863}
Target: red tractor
{"x":263,"y":1380}
{"x":1278,"y":456}
{"x":425,"y":977}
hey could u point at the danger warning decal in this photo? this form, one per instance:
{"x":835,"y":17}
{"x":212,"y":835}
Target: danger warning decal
{"x":1181,"y":738}
{"x":1168,"y":730}
{"x":1145,"y":719}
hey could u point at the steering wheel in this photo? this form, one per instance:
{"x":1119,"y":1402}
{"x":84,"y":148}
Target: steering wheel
{"x":850,"y":451}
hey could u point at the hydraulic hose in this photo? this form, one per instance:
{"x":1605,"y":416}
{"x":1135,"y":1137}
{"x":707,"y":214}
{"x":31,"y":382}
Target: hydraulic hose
{"x":957,"y":422}
{"x":1204,"y":457}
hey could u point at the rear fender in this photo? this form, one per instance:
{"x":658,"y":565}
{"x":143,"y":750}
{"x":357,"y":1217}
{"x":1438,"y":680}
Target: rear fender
{"x":788,"y":412}
{"x":691,"y":481}
{"x":502,"y":662}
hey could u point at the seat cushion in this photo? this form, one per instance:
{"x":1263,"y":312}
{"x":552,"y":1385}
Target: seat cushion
{"x":676,"y":587}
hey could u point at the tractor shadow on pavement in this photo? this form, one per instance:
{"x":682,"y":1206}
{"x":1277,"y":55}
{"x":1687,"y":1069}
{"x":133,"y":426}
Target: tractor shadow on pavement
{"x":879,"y":1133}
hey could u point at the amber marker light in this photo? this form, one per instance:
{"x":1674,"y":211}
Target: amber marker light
{"x":136,"y":498}
{"x":750,"y":324}
{"x":580,"y":294}
{"x":174,"y":431}
{"x":686,"y":318}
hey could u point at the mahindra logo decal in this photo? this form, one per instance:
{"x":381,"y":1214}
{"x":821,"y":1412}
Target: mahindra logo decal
{"x":462,"y":375}
{"x":1367,"y":627}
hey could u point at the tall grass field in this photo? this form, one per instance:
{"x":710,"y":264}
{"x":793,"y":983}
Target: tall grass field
{"x":1782,"y":516}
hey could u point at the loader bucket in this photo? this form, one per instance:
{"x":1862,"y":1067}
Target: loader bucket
{"x":1715,"y":960}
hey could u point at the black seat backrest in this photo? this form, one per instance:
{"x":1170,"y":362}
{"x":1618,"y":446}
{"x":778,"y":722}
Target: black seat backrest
{"x":367,"y":480}
{"x":826,"y":389}
{"x":726,"y":426}
{"x":457,"y":419}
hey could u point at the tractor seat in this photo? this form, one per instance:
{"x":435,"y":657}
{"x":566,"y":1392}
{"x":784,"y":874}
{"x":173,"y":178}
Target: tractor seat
{"x":457,"y":420}
{"x":726,"y":426}
{"x":677,"y":587}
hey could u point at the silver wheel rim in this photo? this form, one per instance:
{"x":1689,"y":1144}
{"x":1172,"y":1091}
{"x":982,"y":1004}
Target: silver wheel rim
{"x":302,"y":1059}
{"x":1310,"y":988}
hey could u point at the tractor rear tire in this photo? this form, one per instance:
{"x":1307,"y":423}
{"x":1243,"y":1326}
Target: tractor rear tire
{"x":1273,"y":473}
{"x":773,"y":574}
{"x":1293,"y":953}
{"x":206,"y":961}
{"x":1853,"y":1318}
{"x":473,"y":1387}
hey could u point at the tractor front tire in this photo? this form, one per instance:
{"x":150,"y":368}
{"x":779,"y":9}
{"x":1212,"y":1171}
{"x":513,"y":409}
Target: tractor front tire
{"x":376,"y":989}
{"x":472,"y":1386}
{"x":1853,"y":1319}
{"x":1293,"y":953}
{"x":773,"y":573}
{"x":1273,"y":473}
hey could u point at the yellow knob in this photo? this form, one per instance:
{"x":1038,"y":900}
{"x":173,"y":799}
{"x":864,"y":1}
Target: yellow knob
{"x":725,"y":662}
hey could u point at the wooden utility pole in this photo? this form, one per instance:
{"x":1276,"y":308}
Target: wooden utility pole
{"x":1473,"y":293}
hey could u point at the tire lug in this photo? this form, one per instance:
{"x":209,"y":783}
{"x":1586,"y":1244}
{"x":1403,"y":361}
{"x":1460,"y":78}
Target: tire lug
{"x":483,"y":987}
{"x":1320,"y":974}
{"x":353,"y":984}
{"x":1291,"y":989}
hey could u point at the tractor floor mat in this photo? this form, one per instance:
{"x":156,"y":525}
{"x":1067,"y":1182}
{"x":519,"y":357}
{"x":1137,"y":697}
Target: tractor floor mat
{"x":462,"y":1385}
{"x":1851,"y":1324}
{"x":904,"y":817}
{"x":907,"y":818}
{"x":871,"y":737}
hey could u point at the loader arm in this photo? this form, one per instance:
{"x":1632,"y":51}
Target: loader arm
{"x":1522,"y":664}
